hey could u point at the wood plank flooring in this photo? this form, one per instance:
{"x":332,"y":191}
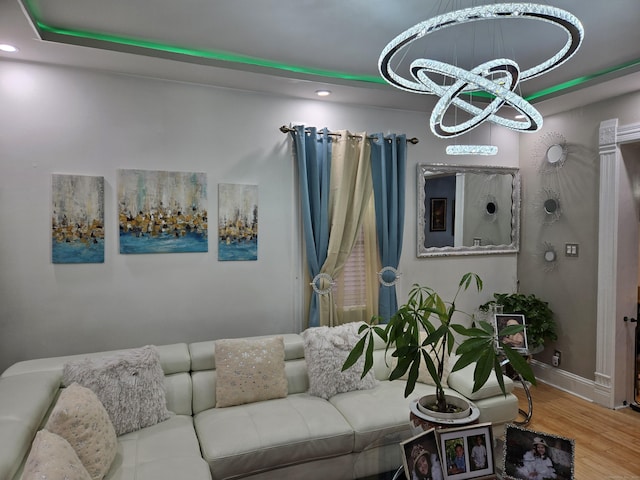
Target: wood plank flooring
{"x":607,"y":442}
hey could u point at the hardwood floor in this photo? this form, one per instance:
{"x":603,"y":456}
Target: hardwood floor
{"x":607,"y":442}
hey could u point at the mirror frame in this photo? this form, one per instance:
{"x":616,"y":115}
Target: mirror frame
{"x":424,"y":169}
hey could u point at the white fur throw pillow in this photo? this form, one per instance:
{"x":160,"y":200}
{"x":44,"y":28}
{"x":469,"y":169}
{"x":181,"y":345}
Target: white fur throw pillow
{"x":249,"y":370}
{"x":51,"y":457}
{"x":79,"y":418}
{"x":325,"y":350}
{"x":129,"y":384}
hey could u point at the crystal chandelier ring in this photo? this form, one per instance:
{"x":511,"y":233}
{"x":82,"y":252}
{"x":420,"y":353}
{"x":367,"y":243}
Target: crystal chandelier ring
{"x":508,"y":73}
{"x":563,"y":19}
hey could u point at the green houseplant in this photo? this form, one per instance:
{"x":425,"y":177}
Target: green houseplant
{"x":541,"y":325}
{"x":426,"y":312}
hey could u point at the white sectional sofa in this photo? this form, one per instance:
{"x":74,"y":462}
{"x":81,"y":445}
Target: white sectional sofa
{"x":350,"y":435}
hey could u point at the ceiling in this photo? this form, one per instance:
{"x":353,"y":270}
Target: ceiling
{"x":295,"y":47}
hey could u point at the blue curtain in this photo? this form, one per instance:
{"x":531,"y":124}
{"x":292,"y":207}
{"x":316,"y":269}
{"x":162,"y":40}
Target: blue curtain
{"x":388,"y":169}
{"x":313,"y":157}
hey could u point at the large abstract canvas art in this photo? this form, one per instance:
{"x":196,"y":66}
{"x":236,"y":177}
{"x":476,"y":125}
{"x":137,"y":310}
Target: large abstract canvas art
{"x":77,"y":224}
{"x":162,"y":212}
{"x":237,"y":222}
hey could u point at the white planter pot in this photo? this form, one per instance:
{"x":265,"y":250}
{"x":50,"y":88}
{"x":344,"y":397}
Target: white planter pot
{"x":423,"y":418}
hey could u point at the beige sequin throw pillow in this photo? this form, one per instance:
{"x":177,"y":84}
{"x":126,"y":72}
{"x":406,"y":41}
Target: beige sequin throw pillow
{"x":80,"y":418}
{"x":52,"y":458}
{"x":249,"y":370}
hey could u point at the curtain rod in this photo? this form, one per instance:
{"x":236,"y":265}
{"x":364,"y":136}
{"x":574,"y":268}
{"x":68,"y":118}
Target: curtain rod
{"x":285,"y":129}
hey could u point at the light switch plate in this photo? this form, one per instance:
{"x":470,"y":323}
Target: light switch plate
{"x":571,"y":249}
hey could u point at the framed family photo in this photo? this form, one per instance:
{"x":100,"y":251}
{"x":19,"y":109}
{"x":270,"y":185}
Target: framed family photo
{"x":420,"y":457}
{"x":531,"y":455}
{"x":517,"y":341}
{"x":466,"y":452}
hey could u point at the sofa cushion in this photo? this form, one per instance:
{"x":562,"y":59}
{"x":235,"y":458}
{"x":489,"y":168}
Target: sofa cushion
{"x":326,"y":349}
{"x":130,"y":385}
{"x":165,"y":451}
{"x":174,"y":358}
{"x":253,"y":437}
{"x":79,"y":417}
{"x":249,"y":370}
{"x":52,"y":458}
{"x":462,"y":382}
{"x":380,"y":415}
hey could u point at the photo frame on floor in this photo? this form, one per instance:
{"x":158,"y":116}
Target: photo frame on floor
{"x":466,"y":452}
{"x":529,"y":454}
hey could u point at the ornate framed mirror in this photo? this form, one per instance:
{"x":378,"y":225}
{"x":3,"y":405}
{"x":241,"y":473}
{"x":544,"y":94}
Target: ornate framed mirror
{"x":467,"y":210}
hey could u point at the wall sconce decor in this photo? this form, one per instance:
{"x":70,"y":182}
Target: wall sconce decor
{"x":550,"y":206}
{"x":551,"y":152}
{"x":549,"y":257}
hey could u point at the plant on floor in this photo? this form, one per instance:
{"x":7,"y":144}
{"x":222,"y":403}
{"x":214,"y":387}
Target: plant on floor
{"x":424,"y":332}
{"x":541,"y":325}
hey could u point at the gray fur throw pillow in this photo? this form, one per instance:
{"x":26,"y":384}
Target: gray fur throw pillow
{"x":130,"y":385}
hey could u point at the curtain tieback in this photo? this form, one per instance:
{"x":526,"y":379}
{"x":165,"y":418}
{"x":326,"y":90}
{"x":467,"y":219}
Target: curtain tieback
{"x":322,"y":284}
{"x":388,"y":276}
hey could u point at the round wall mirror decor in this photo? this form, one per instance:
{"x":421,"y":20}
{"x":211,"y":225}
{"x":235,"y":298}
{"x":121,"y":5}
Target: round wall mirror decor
{"x":550,"y":152}
{"x":550,"y":206}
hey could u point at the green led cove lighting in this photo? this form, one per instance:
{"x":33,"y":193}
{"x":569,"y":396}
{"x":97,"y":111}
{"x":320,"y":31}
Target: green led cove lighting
{"x":260,"y":62}
{"x":208,"y":54}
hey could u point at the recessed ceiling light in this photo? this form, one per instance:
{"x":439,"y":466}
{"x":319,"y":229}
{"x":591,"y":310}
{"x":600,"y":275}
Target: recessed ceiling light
{"x":323,"y":93}
{"x":5,"y":47}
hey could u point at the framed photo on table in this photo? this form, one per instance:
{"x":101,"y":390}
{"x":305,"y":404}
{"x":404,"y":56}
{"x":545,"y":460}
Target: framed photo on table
{"x":420,"y":457}
{"x":535,"y":455}
{"x":466,"y":452}
{"x":517,"y":341}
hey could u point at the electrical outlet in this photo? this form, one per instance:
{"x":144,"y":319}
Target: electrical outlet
{"x":555,"y":360}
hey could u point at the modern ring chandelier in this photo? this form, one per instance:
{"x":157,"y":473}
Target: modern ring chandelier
{"x":499,"y":77}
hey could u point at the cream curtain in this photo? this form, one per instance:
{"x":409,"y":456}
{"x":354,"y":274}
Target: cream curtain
{"x":351,"y":190}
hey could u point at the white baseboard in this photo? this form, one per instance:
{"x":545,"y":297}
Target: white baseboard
{"x":563,"y":380}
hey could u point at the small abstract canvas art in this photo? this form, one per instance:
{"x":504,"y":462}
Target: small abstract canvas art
{"x":162,"y":212}
{"x":237,"y":222}
{"x":77,"y":224}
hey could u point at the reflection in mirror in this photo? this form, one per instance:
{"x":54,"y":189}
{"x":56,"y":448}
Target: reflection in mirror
{"x":550,"y":206}
{"x":467,"y":210}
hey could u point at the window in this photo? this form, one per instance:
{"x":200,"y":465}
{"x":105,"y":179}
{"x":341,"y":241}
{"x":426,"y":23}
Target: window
{"x":353,"y":277}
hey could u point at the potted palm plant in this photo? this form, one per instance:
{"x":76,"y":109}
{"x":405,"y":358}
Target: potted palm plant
{"x":423,"y":333}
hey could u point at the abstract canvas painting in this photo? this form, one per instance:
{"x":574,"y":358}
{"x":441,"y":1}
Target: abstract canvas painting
{"x":77,"y":226}
{"x":237,"y":222}
{"x":162,"y":212}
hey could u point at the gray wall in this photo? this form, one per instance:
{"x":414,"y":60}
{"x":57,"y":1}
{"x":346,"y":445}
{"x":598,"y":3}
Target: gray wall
{"x":60,"y":120}
{"x":571,"y":289}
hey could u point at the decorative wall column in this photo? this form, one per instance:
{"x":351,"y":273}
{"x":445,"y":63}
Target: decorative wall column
{"x":610,"y":389}
{"x":607,"y":263}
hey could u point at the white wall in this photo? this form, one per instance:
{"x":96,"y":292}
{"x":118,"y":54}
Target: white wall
{"x":60,"y":120}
